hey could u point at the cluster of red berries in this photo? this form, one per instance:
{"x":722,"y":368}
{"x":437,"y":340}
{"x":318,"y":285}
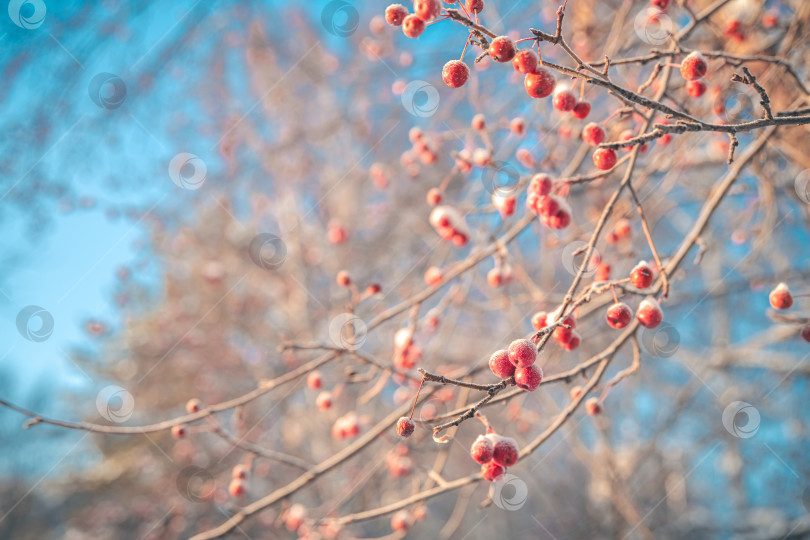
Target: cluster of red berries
{"x":554,"y":211}
{"x":406,"y":352}
{"x":781,"y":298}
{"x":500,"y":275}
{"x":518,"y":361}
{"x":693,"y":68}
{"x":564,"y":100}
{"x":238,"y":484}
{"x":346,"y":426}
{"x":569,"y":338}
{"x":593,"y":406}
{"x":494,"y":453}
{"x":412,"y":24}
{"x":450,"y":225}
{"x":649,"y":311}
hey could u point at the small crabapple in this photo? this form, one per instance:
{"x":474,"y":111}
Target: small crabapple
{"x":593,"y":134}
{"x":401,"y":521}
{"x":500,"y":364}
{"x":491,"y":471}
{"x":563,"y":334}
{"x":641,"y":275}
{"x":505,"y":205}
{"x":455,"y":73}
{"x":602,"y":272}
{"x":481,"y":450}
{"x":522,"y":353}
{"x":694,"y":66}
{"x":239,"y":472}
{"x":780,"y":297}
{"x":572,"y":343}
{"x":518,"y":126}
{"x":395,"y":14}
{"x":593,"y":407}
{"x":413,"y":26}
{"x":525,"y":157}
{"x":649,"y":313}
{"x":236,"y":488}
{"x":474,"y":6}
{"x":622,"y":228}
{"x":179,"y":431}
{"x":581,"y":110}
{"x":433,"y":276}
{"x":806,"y":333}
{"x":540,"y":83}
{"x":193,"y":405}
{"x":434,"y":196}
{"x":604,"y":158}
{"x":540,"y":184}
{"x":564,"y":100}
{"x":314,"y":380}
{"x":295,"y":517}
{"x":696,"y":88}
{"x":482,"y":157}
{"x":478,"y":122}
{"x":405,"y":427}
{"x":427,"y":9}
{"x":529,"y":377}
{"x":525,"y":61}
{"x":343,"y":278}
{"x":324,"y":401}
{"x":619,"y":315}
{"x":502,"y":49}
{"x":539,"y":320}
{"x":660,"y":4}
{"x":575,"y":392}
{"x":504,"y":450}
{"x":336,"y":234}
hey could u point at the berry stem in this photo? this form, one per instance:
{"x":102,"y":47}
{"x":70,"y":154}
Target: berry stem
{"x":613,"y":290}
{"x":465,"y":47}
{"x":421,"y":384}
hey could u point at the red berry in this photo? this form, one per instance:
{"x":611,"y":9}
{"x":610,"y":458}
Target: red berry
{"x":593,"y":407}
{"x":649,"y":313}
{"x":526,"y":61}
{"x":539,"y":320}
{"x":504,"y":450}
{"x":343,"y":278}
{"x":433,"y":276}
{"x":239,"y":472}
{"x":626,"y":135}
{"x":540,"y":184}
{"x":518,"y":126}
{"x":575,"y":392}
{"x":413,"y":26}
{"x":474,"y":6}
{"x":641,"y":275}
{"x":582,"y":109}
{"x":564,"y":100}
{"x":336,"y":234}
{"x":500,"y":364}
{"x":481,"y":450}
{"x":323,"y":401}
{"x":522,"y":352}
{"x":502,"y":49}
{"x":572,"y":343}
{"x":696,"y":88}
{"x":660,"y":4}
{"x":780,"y":297}
{"x":491,"y":471}
{"x":622,"y":228}
{"x":427,"y":9}
{"x":314,"y":380}
{"x":434,"y":197}
{"x":619,"y":315}
{"x":479,"y":122}
{"x":236,"y":488}
{"x":593,"y":134}
{"x":806,"y":333}
{"x":405,"y":427}
{"x":528,"y":377}
{"x":455,"y":73}
{"x":604,"y":158}
{"x":505,"y":205}
{"x":179,"y":431}
{"x":194,"y":405}
{"x":694,"y":66}
{"x":401,"y":521}
{"x":539,"y":84}
{"x":395,"y":14}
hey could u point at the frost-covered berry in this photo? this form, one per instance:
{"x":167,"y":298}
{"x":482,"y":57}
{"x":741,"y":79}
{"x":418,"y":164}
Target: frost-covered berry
{"x":522,"y":352}
{"x":500,"y":365}
{"x":481,"y":450}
